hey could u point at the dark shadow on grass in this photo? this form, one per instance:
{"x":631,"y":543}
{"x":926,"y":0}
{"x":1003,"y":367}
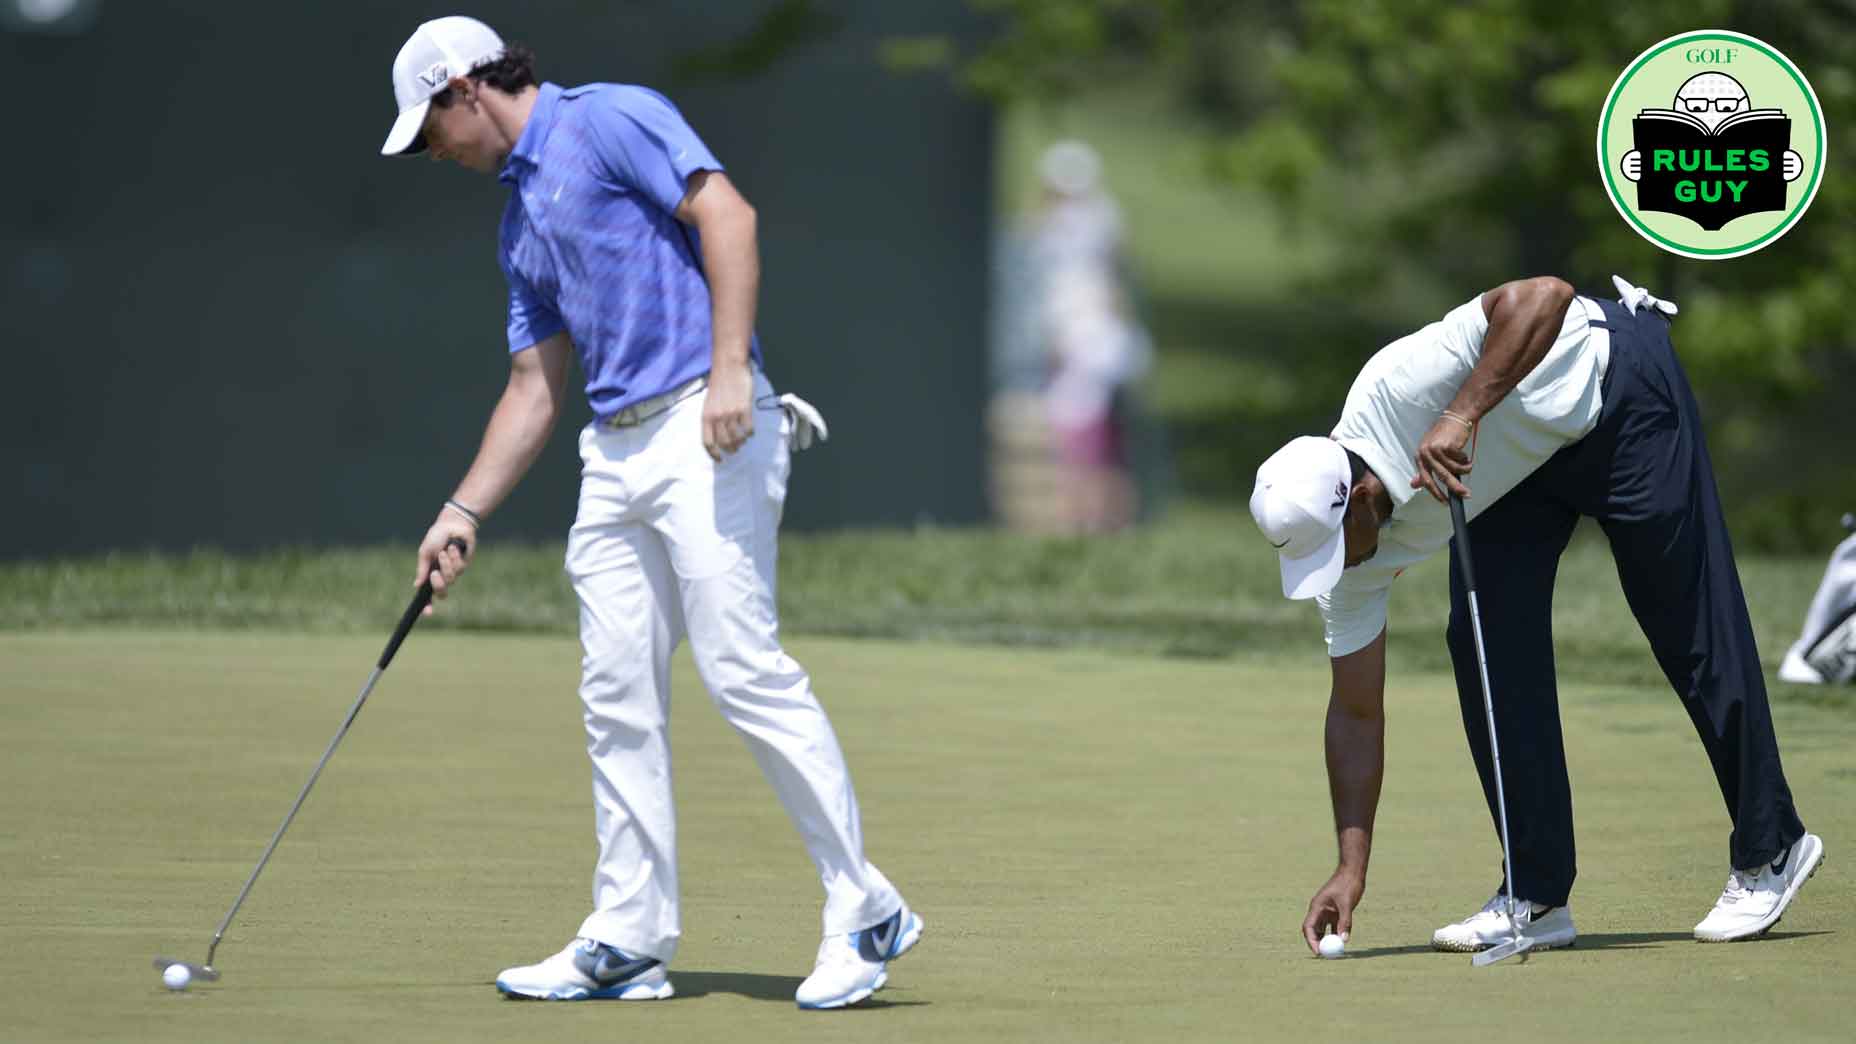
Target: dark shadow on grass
{"x":745,"y":984}
{"x":754,"y":986}
{"x":1612,"y":941}
{"x":1655,"y":940}
{"x":1782,"y":936}
{"x":1598,"y":941}
{"x":372,"y":987}
{"x":1387,"y":951}
{"x":1629,"y":940}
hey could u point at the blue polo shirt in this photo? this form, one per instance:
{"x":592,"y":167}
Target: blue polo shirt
{"x":590,"y":243}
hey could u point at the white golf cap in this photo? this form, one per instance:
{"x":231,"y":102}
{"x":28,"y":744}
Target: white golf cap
{"x":436,"y":51}
{"x":1300,"y":499}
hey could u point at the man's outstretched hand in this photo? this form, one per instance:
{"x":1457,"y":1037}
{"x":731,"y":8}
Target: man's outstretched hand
{"x":1331,"y":910}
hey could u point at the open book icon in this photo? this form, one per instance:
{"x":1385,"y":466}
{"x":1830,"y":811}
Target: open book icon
{"x":1712,"y":176}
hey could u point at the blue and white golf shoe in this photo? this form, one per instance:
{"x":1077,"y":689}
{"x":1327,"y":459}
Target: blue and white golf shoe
{"x":588,"y":970}
{"x":853,"y":966}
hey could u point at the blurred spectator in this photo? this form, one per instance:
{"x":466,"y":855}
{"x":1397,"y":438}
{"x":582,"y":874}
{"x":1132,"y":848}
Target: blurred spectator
{"x":1094,"y":347}
{"x":1096,"y":352}
{"x":1067,"y":351}
{"x":1077,"y":222}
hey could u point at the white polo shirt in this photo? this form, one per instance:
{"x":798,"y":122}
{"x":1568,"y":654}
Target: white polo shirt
{"x":1398,"y":397}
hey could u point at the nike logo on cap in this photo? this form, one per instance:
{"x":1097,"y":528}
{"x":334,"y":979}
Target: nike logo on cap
{"x":1280,"y":546}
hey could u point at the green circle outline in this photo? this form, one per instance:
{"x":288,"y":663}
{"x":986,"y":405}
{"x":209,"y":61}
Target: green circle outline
{"x":1791,"y":216}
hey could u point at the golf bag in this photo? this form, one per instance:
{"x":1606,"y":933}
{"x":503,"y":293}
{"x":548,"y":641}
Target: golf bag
{"x":1826,"y":652}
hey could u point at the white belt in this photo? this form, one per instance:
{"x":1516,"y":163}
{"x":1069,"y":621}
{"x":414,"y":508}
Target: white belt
{"x":639,"y":412}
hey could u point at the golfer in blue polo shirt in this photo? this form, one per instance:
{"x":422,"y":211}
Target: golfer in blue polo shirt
{"x":625,"y":245}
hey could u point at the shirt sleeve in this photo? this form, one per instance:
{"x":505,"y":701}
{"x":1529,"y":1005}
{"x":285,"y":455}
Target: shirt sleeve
{"x":645,"y":145}
{"x":1465,"y":328}
{"x":1354,"y":612}
{"x":531,"y":319}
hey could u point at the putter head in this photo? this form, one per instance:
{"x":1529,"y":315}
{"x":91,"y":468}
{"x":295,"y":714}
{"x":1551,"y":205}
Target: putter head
{"x":1503,"y":950}
{"x":199,"y":972}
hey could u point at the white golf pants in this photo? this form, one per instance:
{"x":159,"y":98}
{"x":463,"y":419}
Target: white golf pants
{"x":666,"y":544}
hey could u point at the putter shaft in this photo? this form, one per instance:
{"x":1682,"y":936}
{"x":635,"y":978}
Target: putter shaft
{"x":301,"y":796}
{"x":411,"y":616}
{"x":1515,"y":943}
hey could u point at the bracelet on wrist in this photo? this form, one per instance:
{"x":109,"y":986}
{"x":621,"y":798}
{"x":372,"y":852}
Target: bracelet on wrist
{"x":475,"y":520}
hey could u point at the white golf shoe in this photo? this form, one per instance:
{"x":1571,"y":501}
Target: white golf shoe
{"x":1754,"y":900}
{"x":854,"y":965}
{"x":588,"y":970}
{"x":1548,"y":926}
{"x":1795,"y":670}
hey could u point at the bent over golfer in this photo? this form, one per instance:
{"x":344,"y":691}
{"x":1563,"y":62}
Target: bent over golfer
{"x":1563,"y":406}
{"x":624,"y":243}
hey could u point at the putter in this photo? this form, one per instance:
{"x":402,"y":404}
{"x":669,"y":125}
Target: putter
{"x":206,"y":972}
{"x":1516,"y":942}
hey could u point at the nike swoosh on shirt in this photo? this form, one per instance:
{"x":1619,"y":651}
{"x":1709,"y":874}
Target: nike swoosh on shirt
{"x":1280,"y":546}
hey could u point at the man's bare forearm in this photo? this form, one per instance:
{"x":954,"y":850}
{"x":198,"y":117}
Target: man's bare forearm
{"x":519,"y":426}
{"x":1524,"y":320}
{"x":1356,"y":749}
{"x":518,"y":429}
{"x":1356,"y":757}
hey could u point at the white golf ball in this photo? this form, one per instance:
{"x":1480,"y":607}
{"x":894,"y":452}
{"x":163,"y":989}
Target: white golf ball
{"x":176,"y":976}
{"x":1332,"y":946}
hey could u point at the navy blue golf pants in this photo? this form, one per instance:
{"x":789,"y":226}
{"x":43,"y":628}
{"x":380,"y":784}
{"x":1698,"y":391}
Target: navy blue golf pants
{"x":1644,"y":474}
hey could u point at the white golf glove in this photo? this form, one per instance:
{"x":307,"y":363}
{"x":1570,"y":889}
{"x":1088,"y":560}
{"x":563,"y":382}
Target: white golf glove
{"x":804,"y":422}
{"x":1635,"y":297}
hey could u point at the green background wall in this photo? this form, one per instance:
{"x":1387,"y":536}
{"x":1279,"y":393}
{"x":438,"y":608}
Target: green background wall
{"x":231,"y":323}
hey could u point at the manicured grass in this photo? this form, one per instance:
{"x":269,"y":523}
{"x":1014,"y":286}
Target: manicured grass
{"x":1106,"y":847}
{"x":1198,"y":584}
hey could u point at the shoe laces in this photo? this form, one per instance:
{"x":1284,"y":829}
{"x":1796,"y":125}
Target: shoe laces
{"x":1739,"y":886}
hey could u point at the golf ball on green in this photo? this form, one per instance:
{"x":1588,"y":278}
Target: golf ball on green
{"x":176,"y":976}
{"x":1332,"y":946}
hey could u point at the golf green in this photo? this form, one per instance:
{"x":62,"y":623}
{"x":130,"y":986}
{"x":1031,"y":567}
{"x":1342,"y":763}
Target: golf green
{"x":1105,"y":848}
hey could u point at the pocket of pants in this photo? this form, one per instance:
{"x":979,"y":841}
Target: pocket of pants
{"x":710,"y":522}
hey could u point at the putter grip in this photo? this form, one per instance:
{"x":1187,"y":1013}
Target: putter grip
{"x":1461,"y":524}
{"x":411,"y":615}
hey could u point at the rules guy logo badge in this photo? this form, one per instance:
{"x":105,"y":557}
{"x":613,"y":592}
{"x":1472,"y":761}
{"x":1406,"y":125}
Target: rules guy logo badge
{"x":1711,"y":144}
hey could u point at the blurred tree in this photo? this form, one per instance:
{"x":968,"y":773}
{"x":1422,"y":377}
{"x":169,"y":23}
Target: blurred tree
{"x":1459,"y":137}
{"x":1457,"y":140}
